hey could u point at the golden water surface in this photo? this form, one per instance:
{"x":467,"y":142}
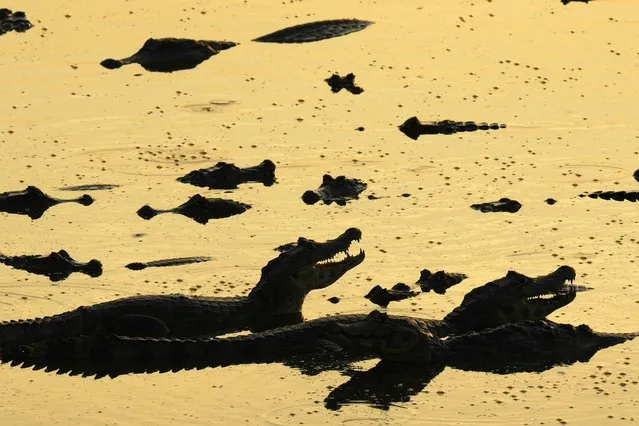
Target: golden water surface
{"x":563,"y":79}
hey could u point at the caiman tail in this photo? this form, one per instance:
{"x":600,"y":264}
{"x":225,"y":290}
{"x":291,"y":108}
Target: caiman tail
{"x":13,"y":333}
{"x":113,"y":355}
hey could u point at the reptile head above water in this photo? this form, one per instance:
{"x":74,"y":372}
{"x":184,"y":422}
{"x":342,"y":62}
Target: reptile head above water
{"x":514,"y":298}
{"x":307,"y":265}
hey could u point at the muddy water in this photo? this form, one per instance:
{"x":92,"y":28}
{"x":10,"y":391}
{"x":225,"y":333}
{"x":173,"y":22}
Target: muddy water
{"x":562,"y":78}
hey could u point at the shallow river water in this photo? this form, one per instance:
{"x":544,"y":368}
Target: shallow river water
{"x":563,"y":79}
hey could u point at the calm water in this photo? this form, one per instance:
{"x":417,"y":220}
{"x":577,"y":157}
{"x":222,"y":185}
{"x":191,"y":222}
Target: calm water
{"x":561,"y":78}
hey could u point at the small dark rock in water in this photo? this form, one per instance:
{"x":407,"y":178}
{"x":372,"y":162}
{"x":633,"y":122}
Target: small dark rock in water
{"x":334,"y":300}
{"x":200,"y":209}
{"x":338,"y":83}
{"x":338,"y":190}
{"x":413,"y":128}
{"x":33,"y":202}
{"x":382,"y":297}
{"x":229,"y":176}
{"x":360,"y":129}
{"x":137,"y":266}
{"x":57,"y":265}
{"x":439,"y":282}
{"x":551,"y":201}
{"x":171,"y":54}
{"x":636,"y":175}
{"x":13,"y":21}
{"x":503,"y":205}
{"x":315,"y":31}
{"x":90,"y":187}
{"x":631,"y":196}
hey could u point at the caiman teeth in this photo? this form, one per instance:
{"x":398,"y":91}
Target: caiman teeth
{"x":331,"y":262}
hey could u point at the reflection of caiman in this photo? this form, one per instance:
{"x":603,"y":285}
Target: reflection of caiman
{"x":512,"y":298}
{"x":276,"y":300}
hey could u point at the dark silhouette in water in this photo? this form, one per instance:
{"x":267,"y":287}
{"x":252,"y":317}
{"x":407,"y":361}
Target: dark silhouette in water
{"x":33,"y":202}
{"x":338,"y":83}
{"x":337,"y":190}
{"x":315,"y":31}
{"x":171,"y":54}
{"x":57,"y":265}
{"x":228,"y":176}
{"x":137,"y":266}
{"x":13,"y":21}
{"x":200,"y":209}
{"x":502,"y":205}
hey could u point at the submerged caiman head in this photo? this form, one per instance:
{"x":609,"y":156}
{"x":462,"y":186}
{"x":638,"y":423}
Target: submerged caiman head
{"x":304,"y":266}
{"x":391,"y":338}
{"x":513,"y":298}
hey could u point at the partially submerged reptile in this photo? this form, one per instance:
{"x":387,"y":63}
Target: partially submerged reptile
{"x":171,"y":54}
{"x":57,"y":265}
{"x":228,"y":176}
{"x":90,"y":187}
{"x":277,"y":299}
{"x":336,"y":190}
{"x":439,"y":281}
{"x":505,"y":205}
{"x":631,"y":196}
{"x":315,"y":31}
{"x":174,"y":54}
{"x":13,"y":21}
{"x":382,"y":296}
{"x":33,"y":202}
{"x":200,"y":209}
{"x":525,"y":346}
{"x":162,"y":263}
{"x":512,"y":298}
{"x":530,"y":346}
{"x":413,"y":128}
{"x":347,"y":82}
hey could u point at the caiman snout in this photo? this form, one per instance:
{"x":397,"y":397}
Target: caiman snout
{"x":352,"y":234}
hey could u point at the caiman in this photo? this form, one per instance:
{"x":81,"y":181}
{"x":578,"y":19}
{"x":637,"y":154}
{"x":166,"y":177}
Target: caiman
{"x":413,"y":127}
{"x":171,"y":54}
{"x":276,"y":300}
{"x":530,"y":346}
{"x":524,"y":346}
{"x":33,"y":202}
{"x":514,"y":298}
{"x":13,"y":21}
{"x":57,"y":265}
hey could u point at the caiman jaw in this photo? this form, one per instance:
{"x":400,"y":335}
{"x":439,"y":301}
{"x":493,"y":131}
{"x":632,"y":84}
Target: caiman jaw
{"x":552,"y":291}
{"x":330,"y":270}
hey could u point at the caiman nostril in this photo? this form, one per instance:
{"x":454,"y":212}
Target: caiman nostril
{"x":353,"y":233}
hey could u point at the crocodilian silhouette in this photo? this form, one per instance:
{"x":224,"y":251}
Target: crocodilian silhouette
{"x":410,"y":355}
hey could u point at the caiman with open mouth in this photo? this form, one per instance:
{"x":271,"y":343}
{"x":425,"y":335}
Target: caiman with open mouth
{"x":513,"y":298}
{"x":276,"y":300}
